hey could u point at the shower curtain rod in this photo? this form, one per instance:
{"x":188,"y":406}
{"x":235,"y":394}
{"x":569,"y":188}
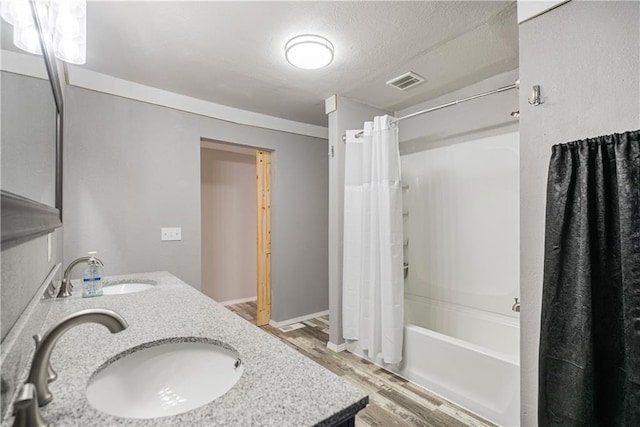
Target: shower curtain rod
{"x":516,"y":85}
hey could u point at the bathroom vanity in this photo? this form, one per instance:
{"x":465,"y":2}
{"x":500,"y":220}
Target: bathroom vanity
{"x":277,"y":387}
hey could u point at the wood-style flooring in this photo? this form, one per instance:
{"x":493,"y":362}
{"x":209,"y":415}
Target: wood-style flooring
{"x":393,"y":401}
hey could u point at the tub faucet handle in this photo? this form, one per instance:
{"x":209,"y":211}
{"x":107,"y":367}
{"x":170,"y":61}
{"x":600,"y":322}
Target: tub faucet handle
{"x":516,"y":306}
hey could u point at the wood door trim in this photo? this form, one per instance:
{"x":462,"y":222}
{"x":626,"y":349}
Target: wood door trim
{"x":263,"y":193}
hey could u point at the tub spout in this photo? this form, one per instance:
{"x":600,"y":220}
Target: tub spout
{"x":516,"y":306}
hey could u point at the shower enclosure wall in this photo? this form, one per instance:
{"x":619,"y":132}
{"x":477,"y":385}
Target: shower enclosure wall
{"x":461,"y":225}
{"x":461,"y":237}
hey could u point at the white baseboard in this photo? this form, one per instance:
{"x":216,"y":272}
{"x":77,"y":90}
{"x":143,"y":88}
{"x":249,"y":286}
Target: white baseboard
{"x":297,"y":319}
{"x":336,"y":348}
{"x":239,"y":301}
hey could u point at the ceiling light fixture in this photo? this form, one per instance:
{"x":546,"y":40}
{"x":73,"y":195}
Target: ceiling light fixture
{"x":65,"y":20}
{"x":309,"y":52}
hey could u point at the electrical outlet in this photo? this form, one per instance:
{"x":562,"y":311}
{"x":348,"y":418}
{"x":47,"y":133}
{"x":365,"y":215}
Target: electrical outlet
{"x":171,"y":233}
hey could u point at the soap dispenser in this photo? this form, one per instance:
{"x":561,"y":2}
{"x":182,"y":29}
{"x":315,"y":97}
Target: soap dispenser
{"x":92,"y":278}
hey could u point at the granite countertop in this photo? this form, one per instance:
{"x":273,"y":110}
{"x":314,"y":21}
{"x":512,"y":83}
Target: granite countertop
{"x":279,"y":386}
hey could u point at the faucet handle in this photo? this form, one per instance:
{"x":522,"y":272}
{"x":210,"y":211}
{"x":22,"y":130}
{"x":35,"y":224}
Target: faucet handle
{"x":51,"y":374}
{"x":516,"y":300}
{"x":65,"y":288}
{"x":26,"y":410}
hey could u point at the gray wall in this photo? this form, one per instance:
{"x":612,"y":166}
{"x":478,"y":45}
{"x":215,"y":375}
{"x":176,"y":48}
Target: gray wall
{"x":28,"y":168}
{"x":28,"y":119}
{"x":350,"y":115}
{"x":585,"y":57}
{"x":24,"y":268}
{"x":28,"y":137}
{"x":480,"y":118}
{"x":229,"y":226}
{"x":132,"y":168}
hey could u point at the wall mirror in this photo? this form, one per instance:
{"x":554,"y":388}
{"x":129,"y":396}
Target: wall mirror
{"x":31,"y":131}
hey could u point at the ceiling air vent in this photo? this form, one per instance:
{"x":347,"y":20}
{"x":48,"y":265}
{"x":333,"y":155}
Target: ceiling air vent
{"x":406,"y":81}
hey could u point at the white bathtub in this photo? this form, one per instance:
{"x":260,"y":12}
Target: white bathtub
{"x":467,"y":356}
{"x":462,"y":245}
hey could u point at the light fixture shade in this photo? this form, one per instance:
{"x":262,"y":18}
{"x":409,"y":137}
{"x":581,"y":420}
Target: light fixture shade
{"x":16,"y":11}
{"x":68,"y":20}
{"x":25,"y":33}
{"x":309,"y":52}
{"x":26,"y":37}
{"x":65,"y":21}
{"x":5,"y":11}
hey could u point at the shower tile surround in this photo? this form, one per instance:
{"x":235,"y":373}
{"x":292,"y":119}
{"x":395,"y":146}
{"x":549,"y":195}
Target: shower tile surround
{"x":278,"y":387}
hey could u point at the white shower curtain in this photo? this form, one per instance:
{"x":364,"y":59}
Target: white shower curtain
{"x":373,"y":291}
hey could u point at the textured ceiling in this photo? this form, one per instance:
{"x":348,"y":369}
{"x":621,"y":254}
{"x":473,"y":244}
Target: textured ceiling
{"x":231,"y":53}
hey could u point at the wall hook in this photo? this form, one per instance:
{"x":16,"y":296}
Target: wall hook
{"x":535,"y":96}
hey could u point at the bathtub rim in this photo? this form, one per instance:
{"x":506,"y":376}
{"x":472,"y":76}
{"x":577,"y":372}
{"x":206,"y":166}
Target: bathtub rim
{"x":509,"y":321}
{"x":504,"y":357}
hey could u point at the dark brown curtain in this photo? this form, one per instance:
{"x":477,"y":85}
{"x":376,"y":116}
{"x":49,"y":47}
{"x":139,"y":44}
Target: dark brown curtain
{"x":590,"y":330}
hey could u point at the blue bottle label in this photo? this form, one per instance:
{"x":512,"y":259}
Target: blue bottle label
{"x":92,"y":286}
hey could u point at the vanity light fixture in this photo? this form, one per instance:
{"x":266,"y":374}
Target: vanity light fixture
{"x":64,"y":20}
{"x":26,"y":37}
{"x":309,"y":52}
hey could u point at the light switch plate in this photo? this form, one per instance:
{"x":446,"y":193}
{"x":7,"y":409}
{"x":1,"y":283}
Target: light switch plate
{"x":171,"y":233}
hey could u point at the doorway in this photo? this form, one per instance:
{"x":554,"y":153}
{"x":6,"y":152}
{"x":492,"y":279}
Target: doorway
{"x":236,"y":225}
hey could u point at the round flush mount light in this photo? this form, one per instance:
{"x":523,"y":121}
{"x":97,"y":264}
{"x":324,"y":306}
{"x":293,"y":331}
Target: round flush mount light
{"x":309,"y":52}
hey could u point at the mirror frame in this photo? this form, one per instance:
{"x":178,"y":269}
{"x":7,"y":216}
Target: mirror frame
{"x":25,"y":219}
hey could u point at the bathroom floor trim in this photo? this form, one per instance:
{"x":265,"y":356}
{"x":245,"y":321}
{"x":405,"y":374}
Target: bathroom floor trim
{"x":238,"y":301}
{"x":393,"y":401}
{"x":336,"y":348}
{"x":292,"y":327}
{"x":282,"y":323}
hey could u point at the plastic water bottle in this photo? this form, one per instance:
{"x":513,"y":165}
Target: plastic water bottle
{"x":92,"y":278}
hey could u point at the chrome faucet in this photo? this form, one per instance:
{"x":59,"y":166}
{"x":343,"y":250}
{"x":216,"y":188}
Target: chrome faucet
{"x":25,"y":408}
{"x":66,"y":287}
{"x":39,"y":374}
{"x":51,"y":375}
{"x":516,"y":306}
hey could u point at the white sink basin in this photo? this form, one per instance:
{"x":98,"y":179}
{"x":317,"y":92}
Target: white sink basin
{"x":125,"y":287}
{"x":163,"y":380}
